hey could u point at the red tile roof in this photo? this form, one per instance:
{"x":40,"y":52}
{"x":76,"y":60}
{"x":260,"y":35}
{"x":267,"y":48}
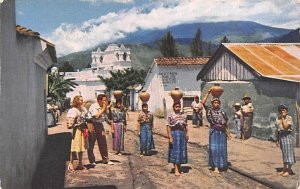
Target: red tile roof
{"x":28,"y":32}
{"x":24,"y":31}
{"x":173,"y":61}
{"x":273,"y":60}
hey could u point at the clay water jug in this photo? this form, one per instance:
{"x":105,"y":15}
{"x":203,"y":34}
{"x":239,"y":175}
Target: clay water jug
{"x":216,"y":90}
{"x":144,"y":96}
{"x":176,"y":94}
{"x":118,"y":94}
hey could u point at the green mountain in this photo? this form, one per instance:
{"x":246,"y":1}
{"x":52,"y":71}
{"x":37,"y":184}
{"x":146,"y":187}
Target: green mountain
{"x":291,"y":37}
{"x":142,"y":55}
{"x":78,"y":60}
{"x":144,"y":44}
{"x":236,"y":31}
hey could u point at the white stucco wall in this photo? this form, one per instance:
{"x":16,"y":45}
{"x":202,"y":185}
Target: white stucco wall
{"x":23,"y":128}
{"x":87,"y":89}
{"x":162,"y":79}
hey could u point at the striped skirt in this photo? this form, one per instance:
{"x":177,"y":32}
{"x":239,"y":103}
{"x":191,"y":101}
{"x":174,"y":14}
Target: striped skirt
{"x":217,"y":149}
{"x":146,"y":137}
{"x":286,"y":141}
{"x":178,"y":150}
{"x":118,"y":140}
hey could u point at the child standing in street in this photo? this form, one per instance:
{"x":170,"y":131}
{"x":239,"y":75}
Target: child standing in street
{"x":247,"y":117}
{"x":237,"y":119}
{"x":197,"y":112}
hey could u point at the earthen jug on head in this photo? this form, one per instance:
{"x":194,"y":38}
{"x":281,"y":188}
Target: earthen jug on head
{"x":118,"y":94}
{"x":176,"y":94}
{"x":144,"y":96}
{"x":216,"y":90}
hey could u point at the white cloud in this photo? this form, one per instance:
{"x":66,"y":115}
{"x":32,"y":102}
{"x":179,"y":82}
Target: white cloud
{"x":108,"y":1}
{"x":161,"y":14}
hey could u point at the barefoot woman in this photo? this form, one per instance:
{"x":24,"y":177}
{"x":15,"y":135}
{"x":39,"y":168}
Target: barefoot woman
{"x":178,"y":137}
{"x":218,"y":135}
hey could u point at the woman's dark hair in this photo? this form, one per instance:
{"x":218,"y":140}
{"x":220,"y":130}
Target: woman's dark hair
{"x":119,"y":101}
{"x":215,"y":99}
{"x":144,"y":104}
{"x":175,"y":103}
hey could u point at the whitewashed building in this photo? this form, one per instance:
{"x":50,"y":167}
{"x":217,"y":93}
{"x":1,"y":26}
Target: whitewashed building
{"x":167,"y":73}
{"x":89,"y":84}
{"x":24,"y":60}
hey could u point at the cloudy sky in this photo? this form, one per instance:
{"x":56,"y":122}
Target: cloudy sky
{"x":76,"y":25}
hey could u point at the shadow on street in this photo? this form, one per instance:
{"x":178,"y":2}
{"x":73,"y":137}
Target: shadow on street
{"x":97,"y":187}
{"x":50,"y":172}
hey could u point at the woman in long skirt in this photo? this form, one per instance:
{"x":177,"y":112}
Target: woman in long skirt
{"x":178,"y":136}
{"x":218,"y":134}
{"x":145,"y":127}
{"x":284,"y":132}
{"x":118,"y":126}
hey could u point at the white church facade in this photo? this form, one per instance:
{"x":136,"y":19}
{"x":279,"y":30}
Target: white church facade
{"x":89,"y":84}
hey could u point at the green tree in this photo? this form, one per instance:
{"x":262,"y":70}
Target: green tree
{"x":123,"y":79}
{"x":66,"y":67}
{"x":209,"y":49}
{"x":58,"y":87}
{"x":196,"y":45}
{"x":225,"y":40}
{"x":167,"y":46}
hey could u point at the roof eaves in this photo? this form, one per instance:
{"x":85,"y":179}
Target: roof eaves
{"x":177,"y":61}
{"x":28,"y":32}
{"x":245,"y":44}
{"x":291,"y":78}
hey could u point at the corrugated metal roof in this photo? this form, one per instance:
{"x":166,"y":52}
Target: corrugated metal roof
{"x":294,"y":78}
{"x":173,"y":61}
{"x":273,"y":60}
{"x":28,"y":32}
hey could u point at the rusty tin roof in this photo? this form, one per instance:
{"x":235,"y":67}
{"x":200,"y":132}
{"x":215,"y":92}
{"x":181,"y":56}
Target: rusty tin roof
{"x":272,"y":60}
